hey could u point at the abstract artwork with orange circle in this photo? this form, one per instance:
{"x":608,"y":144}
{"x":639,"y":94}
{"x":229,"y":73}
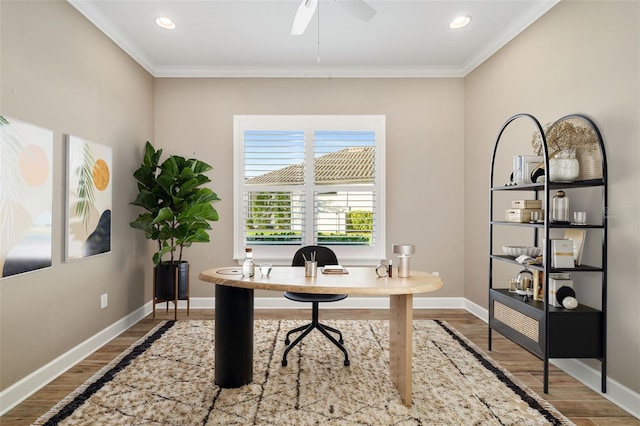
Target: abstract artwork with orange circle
{"x":100,"y":174}
{"x":89,"y":182}
{"x":26,"y":197}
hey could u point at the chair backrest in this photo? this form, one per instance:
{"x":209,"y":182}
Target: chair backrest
{"x":324,"y":256}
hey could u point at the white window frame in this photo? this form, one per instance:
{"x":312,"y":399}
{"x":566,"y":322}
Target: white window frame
{"x":282,"y":255}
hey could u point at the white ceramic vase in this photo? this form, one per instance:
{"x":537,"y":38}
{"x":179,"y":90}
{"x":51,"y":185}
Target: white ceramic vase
{"x":564,"y":166}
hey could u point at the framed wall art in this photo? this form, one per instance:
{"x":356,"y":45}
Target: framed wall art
{"x":89,"y":202}
{"x":26,"y":196}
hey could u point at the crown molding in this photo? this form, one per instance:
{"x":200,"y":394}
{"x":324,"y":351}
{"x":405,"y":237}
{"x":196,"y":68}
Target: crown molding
{"x":308,"y":72}
{"x":514,"y":29}
{"x":95,"y":16}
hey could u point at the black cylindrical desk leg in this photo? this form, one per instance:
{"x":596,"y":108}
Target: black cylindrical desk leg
{"x":234,"y":336}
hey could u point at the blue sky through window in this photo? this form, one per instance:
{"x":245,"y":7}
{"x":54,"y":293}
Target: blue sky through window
{"x":269,"y":150}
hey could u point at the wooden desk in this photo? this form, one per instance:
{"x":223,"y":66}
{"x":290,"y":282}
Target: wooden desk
{"x":234,"y":314}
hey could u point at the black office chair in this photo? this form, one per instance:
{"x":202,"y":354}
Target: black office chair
{"x":324,"y":256}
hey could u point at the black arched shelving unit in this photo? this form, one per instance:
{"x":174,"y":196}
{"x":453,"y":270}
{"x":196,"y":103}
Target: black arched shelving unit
{"x":550,"y":332}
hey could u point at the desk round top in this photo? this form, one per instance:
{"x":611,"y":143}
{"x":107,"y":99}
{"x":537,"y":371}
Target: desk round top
{"x":359,"y":281}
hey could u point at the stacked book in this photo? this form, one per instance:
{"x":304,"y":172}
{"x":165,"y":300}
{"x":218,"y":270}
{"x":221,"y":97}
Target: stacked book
{"x":334,"y":269}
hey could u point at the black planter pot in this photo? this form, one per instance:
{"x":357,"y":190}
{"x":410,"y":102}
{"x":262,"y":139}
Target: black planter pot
{"x":165,"y":274}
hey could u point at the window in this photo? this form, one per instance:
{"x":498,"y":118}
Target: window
{"x":303,"y":180}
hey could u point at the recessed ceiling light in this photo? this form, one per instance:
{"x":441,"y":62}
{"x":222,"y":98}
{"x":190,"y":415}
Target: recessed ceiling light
{"x":459,"y":22}
{"x":166,"y":23}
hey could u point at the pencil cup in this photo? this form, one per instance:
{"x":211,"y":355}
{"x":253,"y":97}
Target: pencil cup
{"x":310,"y":268}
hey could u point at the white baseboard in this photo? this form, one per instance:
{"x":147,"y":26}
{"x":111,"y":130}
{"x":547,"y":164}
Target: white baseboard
{"x":18,"y":392}
{"x":476,"y":310}
{"x":617,"y":393}
{"x":30,"y":384}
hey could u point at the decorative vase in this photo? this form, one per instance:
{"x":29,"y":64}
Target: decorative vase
{"x":560,"y":207}
{"x":564,"y":166}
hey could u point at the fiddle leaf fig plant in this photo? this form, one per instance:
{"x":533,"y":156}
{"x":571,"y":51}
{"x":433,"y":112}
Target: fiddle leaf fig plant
{"x":178,"y":209}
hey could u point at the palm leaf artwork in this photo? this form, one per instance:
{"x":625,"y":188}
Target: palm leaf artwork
{"x":86,"y":192}
{"x":11,"y":189}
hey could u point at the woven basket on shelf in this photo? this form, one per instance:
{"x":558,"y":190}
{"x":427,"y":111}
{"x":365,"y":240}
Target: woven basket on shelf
{"x":518,"y":321}
{"x":590,"y":164}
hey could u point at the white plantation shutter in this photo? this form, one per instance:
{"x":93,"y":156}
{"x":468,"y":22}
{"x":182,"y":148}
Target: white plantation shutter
{"x":273,"y":151}
{"x":338,"y":214}
{"x":304,"y":180}
{"x":273,"y":208}
{"x":344,"y":196}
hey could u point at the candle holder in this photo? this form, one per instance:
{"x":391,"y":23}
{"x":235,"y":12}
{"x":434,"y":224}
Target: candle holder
{"x":403,"y":250}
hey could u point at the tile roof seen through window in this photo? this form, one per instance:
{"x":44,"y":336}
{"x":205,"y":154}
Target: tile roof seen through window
{"x":347,"y":166}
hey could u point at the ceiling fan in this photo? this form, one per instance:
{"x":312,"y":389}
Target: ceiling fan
{"x":358,"y":8}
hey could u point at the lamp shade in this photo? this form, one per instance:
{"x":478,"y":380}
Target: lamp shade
{"x":403,"y":248}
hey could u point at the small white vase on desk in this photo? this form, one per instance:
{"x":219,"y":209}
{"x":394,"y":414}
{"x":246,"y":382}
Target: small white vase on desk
{"x":564,"y":166}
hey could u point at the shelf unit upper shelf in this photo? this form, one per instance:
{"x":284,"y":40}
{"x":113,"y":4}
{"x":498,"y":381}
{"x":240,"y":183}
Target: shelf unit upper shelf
{"x":552,"y":185}
{"x":542,"y":225}
{"x":578,"y":268}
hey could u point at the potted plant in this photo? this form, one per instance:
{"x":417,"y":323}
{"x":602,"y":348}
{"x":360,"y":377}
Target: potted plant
{"x":178,"y":212}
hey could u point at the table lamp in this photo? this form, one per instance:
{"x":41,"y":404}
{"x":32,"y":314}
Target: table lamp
{"x":403,"y":250}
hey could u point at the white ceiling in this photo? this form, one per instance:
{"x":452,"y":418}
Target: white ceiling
{"x":251,"y":38}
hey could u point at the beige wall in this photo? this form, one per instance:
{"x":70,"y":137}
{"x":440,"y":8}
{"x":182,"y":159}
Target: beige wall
{"x":424,"y":153}
{"x":60,"y":72}
{"x":581,"y":57}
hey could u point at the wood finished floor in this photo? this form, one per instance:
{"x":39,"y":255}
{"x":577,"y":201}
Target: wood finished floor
{"x":579,"y":403}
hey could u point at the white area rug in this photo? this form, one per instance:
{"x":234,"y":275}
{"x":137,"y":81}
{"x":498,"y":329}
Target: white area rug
{"x":167,"y":379}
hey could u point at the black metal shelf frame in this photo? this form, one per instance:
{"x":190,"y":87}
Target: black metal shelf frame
{"x":550,"y":346}
{"x":536,"y":304}
{"x":579,"y":268}
{"x":551,"y":225}
{"x":552,"y":185}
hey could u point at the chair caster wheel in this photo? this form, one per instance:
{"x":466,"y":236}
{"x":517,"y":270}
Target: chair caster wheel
{"x":347,"y":363}
{"x":284,"y":362}
{"x":287,"y":341}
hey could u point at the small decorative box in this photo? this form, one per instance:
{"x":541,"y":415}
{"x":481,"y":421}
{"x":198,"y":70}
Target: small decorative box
{"x":519,"y":215}
{"x":526,"y":204}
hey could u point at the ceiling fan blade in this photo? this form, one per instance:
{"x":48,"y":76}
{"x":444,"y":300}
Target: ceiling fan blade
{"x":360,"y":9}
{"x":303,"y":16}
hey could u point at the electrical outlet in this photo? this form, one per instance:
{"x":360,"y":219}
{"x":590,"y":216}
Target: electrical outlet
{"x":437,"y":274}
{"x":104,"y":301}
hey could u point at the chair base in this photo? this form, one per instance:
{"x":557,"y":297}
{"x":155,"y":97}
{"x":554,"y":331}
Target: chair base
{"x":306,"y":329}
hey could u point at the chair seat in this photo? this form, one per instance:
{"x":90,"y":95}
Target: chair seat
{"x":310,"y":298}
